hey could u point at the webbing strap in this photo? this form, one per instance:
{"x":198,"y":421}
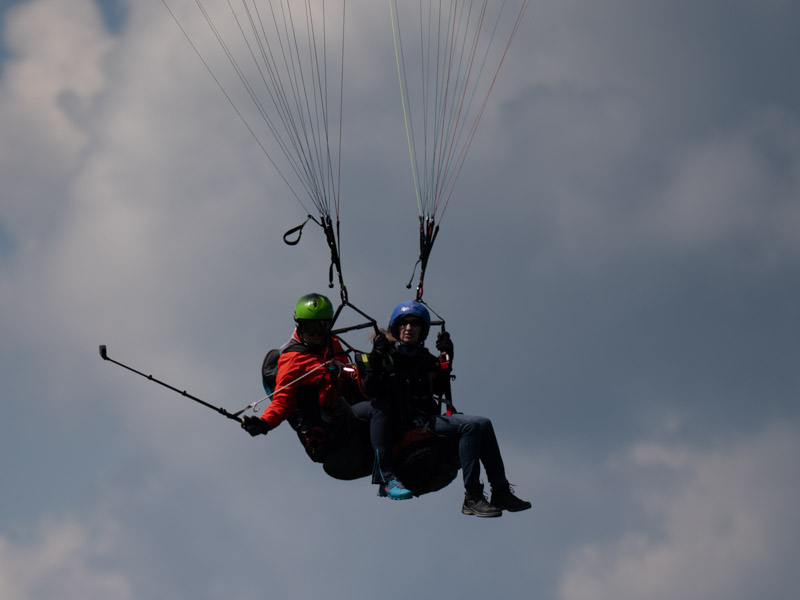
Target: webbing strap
{"x":336,"y":263}
{"x":428,"y":230}
{"x":298,"y":230}
{"x":331,"y":238}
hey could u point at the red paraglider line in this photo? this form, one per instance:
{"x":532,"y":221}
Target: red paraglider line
{"x":463,"y":154}
{"x":465,"y":87}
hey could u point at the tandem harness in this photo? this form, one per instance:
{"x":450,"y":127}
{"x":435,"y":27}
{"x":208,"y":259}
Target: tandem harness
{"x":336,"y":438}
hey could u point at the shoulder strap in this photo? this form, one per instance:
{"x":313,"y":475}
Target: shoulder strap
{"x":269,"y":368}
{"x":294,"y":345}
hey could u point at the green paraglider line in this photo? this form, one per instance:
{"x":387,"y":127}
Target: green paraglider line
{"x":463,"y":154}
{"x":232,"y":103}
{"x":455,"y":47}
{"x":294,"y":103}
{"x":397,"y":55}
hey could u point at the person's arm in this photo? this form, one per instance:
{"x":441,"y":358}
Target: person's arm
{"x":375,"y":376}
{"x":290,"y":368}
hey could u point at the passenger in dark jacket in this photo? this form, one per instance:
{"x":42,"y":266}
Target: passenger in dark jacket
{"x":405,"y":375}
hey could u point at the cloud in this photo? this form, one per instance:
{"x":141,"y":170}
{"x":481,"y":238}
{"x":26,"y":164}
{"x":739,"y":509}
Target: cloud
{"x":738,"y":189}
{"x":572,"y":268}
{"x":66,"y":559}
{"x":628,"y":142}
{"x":49,"y":86}
{"x":114,"y":191}
{"x":717,"y":524}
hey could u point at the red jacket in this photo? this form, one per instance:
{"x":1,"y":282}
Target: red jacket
{"x":300,"y":361}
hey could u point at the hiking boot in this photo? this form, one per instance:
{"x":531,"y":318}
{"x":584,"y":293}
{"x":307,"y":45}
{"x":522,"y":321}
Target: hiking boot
{"x":479,"y":507}
{"x":394,"y":490}
{"x":503,"y":498}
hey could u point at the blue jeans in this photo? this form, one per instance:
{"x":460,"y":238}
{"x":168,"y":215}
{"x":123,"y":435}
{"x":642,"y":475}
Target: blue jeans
{"x":476,"y":443}
{"x":378,"y":414}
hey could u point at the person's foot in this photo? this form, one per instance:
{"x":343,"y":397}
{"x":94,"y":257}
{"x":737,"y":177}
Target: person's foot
{"x":394,"y":490}
{"x":476,"y":504}
{"x":503,"y":498}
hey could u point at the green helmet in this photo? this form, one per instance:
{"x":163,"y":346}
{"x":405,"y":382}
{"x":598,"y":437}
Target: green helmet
{"x":313,"y":307}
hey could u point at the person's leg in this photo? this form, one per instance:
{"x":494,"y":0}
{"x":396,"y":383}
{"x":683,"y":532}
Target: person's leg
{"x":469,"y":431}
{"x":490,"y":453}
{"x":378,"y":414}
{"x":502,"y":495}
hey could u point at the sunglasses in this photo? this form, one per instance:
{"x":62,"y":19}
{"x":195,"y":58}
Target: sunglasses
{"x":410,"y":323}
{"x":313,"y":327}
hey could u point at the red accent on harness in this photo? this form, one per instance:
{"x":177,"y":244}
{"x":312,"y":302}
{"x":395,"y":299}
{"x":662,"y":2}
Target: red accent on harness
{"x":316,"y":435}
{"x":444,"y":363}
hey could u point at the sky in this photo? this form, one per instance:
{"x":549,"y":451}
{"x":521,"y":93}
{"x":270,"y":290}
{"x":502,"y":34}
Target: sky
{"x":618,"y":268}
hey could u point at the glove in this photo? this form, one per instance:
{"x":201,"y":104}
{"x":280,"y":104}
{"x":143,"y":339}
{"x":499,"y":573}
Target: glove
{"x":444,"y":343}
{"x":382,"y":345}
{"x":255,"y":426}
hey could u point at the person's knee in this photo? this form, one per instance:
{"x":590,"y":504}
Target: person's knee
{"x":483,"y":423}
{"x":380,"y":405}
{"x":470,"y":427}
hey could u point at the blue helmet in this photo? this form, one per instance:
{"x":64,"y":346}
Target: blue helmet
{"x":409,"y":308}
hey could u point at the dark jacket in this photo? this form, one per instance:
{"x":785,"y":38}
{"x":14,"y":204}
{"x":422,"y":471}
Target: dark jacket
{"x":410,"y":379}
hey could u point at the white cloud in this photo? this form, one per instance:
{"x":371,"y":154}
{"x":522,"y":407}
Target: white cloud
{"x":719,"y":526}
{"x":58,"y":50}
{"x":66,"y":560}
{"x":128,"y":201}
{"x":738,"y":188}
{"x":48,"y":91}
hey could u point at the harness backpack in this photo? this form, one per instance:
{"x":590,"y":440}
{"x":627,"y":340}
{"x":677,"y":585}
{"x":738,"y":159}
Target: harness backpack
{"x":269,"y":370}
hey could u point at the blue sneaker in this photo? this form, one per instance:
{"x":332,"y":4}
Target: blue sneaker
{"x":394,"y":490}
